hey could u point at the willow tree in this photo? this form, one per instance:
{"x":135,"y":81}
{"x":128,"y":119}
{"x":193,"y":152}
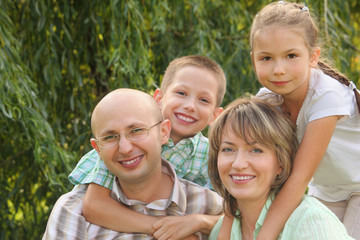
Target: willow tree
{"x":57,"y":58}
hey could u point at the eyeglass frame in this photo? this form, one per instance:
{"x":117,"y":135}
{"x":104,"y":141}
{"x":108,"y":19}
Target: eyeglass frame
{"x":118,"y":136}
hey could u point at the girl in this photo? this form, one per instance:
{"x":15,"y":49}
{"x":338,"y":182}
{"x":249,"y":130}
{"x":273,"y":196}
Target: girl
{"x":325,"y":106}
{"x":252,"y":146}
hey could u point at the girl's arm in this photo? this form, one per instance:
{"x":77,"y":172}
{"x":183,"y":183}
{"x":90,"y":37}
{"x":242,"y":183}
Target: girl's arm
{"x":99,"y":208}
{"x":311,"y":150}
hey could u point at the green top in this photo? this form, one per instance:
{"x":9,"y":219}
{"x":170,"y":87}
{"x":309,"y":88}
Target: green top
{"x":310,"y":220}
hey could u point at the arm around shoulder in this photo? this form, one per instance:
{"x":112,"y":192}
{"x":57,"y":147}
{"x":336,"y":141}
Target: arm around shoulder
{"x":101,"y":209}
{"x":313,"y":220}
{"x":311,"y":150}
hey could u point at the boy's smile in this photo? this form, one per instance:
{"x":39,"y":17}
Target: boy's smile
{"x":190,"y":102}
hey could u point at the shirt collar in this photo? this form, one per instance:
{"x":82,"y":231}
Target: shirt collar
{"x":186,"y":141}
{"x":178,"y":196}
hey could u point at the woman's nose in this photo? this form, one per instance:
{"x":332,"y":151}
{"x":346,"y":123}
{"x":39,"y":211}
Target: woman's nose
{"x":240,"y":161}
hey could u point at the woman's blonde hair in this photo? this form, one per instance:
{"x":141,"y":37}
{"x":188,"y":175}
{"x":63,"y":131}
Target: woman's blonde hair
{"x":298,"y":17}
{"x":253,"y":120}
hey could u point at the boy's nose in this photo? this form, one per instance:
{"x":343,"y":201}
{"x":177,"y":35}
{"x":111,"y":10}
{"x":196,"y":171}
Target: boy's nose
{"x":125,"y":145}
{"x":190,"y":105}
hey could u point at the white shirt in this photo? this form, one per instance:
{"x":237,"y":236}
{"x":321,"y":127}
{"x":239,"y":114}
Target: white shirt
{"x":338,"y":174}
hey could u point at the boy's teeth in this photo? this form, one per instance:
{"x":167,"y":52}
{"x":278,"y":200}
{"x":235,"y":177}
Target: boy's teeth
{"x":130,"y":162}
{"x":242,"y":177}
{"x":185,"y":118}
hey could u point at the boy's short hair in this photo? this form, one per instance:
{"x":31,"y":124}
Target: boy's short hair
{"x":197,"y":61}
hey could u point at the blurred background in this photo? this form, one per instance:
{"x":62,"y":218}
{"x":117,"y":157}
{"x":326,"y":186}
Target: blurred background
{"x":58,"y":58}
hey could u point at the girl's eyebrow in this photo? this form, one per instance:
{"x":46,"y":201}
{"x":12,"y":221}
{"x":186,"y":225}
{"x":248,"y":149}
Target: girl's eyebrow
{"x":292,"y":50}
{"x":269,"y":53}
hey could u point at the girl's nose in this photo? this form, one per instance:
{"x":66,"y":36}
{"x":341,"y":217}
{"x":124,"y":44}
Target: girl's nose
{"x":279,"y":68}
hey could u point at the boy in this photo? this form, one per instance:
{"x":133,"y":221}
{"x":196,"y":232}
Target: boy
{"x":190,"y":96}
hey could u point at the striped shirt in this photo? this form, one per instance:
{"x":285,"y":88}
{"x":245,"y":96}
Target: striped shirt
{"x":189,"y":157}
{"x":66,"y":220}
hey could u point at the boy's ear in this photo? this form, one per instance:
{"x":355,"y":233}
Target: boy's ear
{"x":94,"y":145}
{"x":158,"y":94}
{"x":216,"y":113}
{"x":314,"y":58}
{"x":165,"y":131}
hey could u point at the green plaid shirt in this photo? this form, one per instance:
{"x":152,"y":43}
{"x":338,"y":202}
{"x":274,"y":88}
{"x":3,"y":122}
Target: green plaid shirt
{"x":189,"y":158}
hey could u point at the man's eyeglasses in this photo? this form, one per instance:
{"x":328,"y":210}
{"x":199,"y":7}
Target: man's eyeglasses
{"x":133,"y":135}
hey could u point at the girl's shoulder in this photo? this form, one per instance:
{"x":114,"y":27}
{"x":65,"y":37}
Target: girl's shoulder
{"x":326,"y":96}
{"x":320,"y":82}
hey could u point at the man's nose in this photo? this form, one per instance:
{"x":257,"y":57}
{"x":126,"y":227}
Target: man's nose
{"x":125,"y":145}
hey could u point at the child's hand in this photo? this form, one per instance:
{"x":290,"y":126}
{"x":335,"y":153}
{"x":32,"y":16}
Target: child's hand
{"x":192,"y":237}
{"x":176,"y":227}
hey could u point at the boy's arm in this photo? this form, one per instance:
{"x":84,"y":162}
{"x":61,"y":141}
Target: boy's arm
{"x":91,"y":169}
{"x":99,"y":208}
{"x":179,"y":227}
{"x":311,"y":150}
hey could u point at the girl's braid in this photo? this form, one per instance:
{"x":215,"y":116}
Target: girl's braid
{"x":340,"y":77}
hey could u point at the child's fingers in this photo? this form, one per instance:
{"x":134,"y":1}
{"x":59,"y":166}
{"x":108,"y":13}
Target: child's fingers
{"x":157,"y":224}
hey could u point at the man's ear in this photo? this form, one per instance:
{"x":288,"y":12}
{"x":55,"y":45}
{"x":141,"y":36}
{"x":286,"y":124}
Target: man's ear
{"x":215,"y":114}
{"x":165,"y":131}
{"x":314,"y":58}
{"x":158,"y":94}
{"x":94,"y":145}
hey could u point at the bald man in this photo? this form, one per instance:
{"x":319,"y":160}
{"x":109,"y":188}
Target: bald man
{"x":129,"y":131}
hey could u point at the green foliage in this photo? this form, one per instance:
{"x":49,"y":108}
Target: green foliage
{"x":57,"y":58}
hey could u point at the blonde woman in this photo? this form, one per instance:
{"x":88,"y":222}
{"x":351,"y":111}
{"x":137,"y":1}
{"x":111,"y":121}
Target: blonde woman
{"x":252,"y":147}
